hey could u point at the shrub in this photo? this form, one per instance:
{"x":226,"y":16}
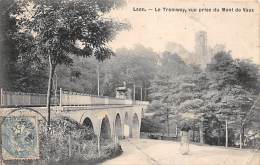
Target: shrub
{"x":67,"y":142}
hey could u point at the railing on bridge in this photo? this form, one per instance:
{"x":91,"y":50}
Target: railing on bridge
{"x":64,"y":98}
{"x":72,"y":98}
{"x":9,"y":98}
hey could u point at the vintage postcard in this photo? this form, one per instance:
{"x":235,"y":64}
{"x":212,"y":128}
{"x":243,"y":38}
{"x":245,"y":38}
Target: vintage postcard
{"x":130,"y":82}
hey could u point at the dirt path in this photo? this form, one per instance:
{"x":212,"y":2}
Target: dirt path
{"x":156,"y":152}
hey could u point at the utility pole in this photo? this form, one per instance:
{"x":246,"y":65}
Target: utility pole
{"x":70,"y":146}
{"x":55,"y":84}
{"x":201,"y":131}
{"x":226,"y":133}
{"x":134,"y":92}
{"x":240,"y":137}
{"x":168,"y":124}
{"x":141,"y":93}
{"x":145,"y":92}
{"x":98,"y":78}
{"x":2,"y":97}
{"x":176,"y":130}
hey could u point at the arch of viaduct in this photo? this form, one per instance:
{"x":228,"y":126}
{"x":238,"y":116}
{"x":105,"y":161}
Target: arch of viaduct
{"x":121,"y":121}
{"x":124,"y":121}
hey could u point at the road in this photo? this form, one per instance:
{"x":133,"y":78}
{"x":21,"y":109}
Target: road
{"x":157,"y":152}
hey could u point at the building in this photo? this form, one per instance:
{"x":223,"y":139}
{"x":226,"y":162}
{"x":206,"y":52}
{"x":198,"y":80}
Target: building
{"x":201,"y":49}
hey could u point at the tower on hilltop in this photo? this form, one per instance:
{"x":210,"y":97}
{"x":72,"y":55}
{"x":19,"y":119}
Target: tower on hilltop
{"x":201,"y":47}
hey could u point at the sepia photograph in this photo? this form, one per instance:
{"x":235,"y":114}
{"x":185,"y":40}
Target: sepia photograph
{"x":129,"y":82}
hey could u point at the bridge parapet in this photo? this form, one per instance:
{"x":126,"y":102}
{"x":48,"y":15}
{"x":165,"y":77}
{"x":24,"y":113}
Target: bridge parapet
{"x":64,"y":98}
{"x":9,"y":98}
{"x":137,"y":102}
{"x":72,"y":98}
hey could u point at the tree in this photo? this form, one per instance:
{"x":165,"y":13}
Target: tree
{"x":233,"y":88}
{"x":16,"y":74}
{"x":51,"y":31}
{"x":8,"y":54}
{"x":80,"y":77}
{"x":136,"y":66}
{"x":151,"y":125}
{"x":170,"y":67}
{"x":138,"y":62}
{"x":174,"y":87}
{"x":225,"y":93}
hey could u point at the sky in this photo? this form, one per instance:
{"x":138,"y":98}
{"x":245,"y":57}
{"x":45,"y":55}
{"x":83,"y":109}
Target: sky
{"x":238,"y":31}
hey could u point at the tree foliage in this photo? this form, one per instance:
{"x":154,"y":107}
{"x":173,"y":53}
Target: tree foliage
{"x":55,"y":27}
{"x":128,"y":65}
{"x":8,"y":53}
{"x":49,"y":32}
{"x":226,"y":90}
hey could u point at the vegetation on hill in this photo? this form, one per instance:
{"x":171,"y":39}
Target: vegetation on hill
{"x":68,"y":142}
{"x":224,"y":93}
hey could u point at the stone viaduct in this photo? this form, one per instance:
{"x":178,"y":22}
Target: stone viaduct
{"x":108,"y":117}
